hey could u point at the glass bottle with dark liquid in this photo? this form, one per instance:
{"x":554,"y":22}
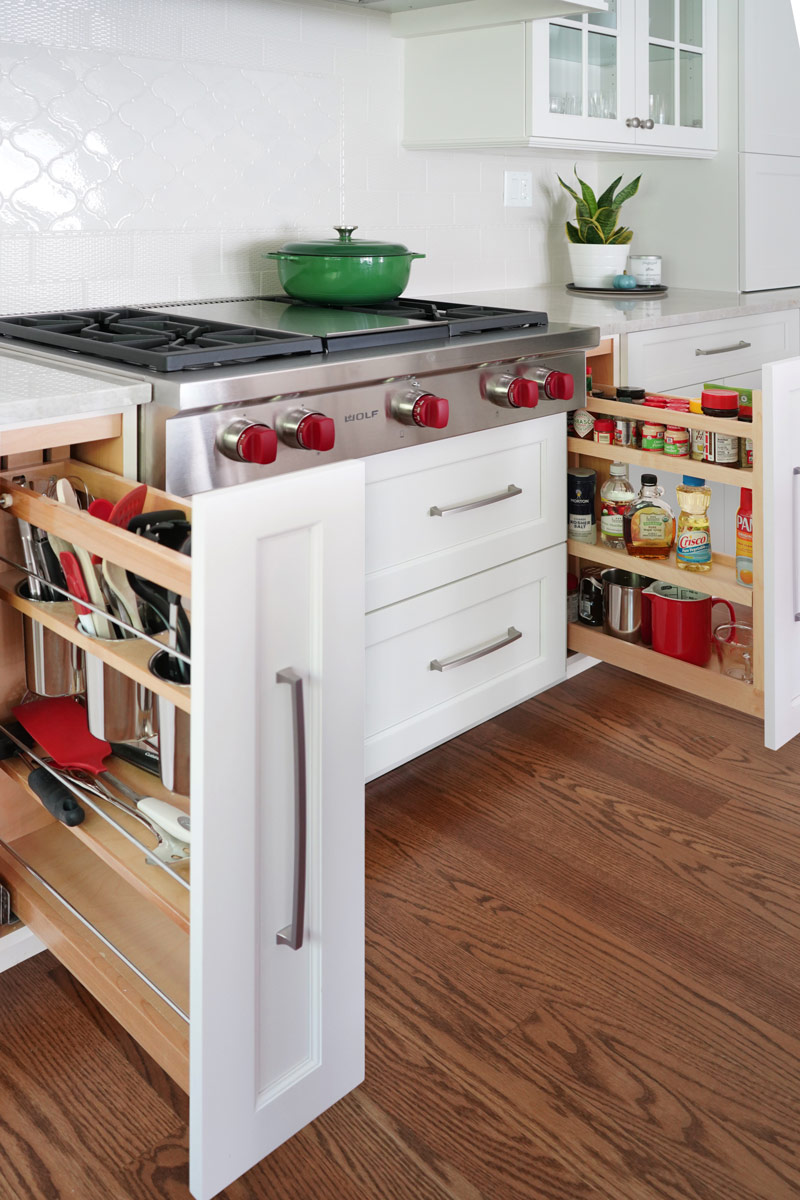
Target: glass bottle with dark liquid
{"x":648,"y":525}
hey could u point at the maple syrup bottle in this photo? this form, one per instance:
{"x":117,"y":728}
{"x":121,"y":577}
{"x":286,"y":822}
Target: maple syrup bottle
{"x":648,"y":524}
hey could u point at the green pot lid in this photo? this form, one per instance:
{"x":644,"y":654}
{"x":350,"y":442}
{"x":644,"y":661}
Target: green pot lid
{"x":345,"y":246}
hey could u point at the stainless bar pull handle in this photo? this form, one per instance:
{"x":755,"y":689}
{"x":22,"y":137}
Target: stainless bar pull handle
{"x":726,"y":349}
{"x":446,"y":664}
{"x":510,"y":491}
{"x":292,"y":935}
{"x":795,"y":551}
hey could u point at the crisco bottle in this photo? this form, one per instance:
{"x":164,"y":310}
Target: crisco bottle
{"x":693,"y":543}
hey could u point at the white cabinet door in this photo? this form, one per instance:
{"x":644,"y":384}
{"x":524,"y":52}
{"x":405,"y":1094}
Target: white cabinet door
{"x":769,"y":195}
{"x":582,"y":76}
{"x":277,"y":1033}
{"x":676,"y":74}
{"x":781,"y":537}
{"x":769,"y":79}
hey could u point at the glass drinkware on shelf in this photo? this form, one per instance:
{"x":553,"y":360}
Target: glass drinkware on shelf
{"x":649,"y":523}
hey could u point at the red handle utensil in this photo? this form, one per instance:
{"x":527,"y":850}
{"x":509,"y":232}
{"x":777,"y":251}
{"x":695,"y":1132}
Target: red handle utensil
{"x":129,"y":506}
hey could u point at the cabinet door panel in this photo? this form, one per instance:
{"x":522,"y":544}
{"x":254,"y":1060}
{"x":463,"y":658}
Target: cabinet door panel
{"x":276,"y":1033}
{"x":676,"y":73}
{"x":781,"y":540}
{"x":769,"y":79}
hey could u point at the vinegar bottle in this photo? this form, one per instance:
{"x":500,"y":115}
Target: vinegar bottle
{"x":648,"y":524}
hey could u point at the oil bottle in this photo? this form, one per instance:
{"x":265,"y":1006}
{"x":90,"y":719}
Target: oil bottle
{"x":649,"y":523}
{"x":693,"y":545}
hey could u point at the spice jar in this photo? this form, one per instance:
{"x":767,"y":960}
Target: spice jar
{"x":604,"y":430}
{"x":722,"y":449}
{"x":698,"y":437}
{"x":676,"y":441}
{"x":581,"y":487}
{"x":720,"y":403}
{"x":623,"y":432}
{"x":652,"y":437}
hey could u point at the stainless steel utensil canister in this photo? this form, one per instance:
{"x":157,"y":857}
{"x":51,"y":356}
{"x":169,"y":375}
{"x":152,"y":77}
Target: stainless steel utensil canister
{"x":53,"y":666}
{"x":118,"y":708}
{"x":622,"y":603}
{"x":173,"y":728}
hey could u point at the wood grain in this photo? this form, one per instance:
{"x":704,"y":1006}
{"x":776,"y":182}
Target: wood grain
{"x":582,"y":983}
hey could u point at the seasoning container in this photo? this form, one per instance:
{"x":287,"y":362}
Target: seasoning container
{"x":624,"y":395}
{"x":588,"y":380}
{"x":572,"y":598}
{"x":744,"y":538}
{"x":581,"y":488}
{"x":637,"y":395}
{"x":583,"y":422}
{"x":623,"y":431}
{"x":652,"y":437}
{"x":745,"y":413}
{"x":722,"y":449}
{"x":676,"y":441}
{"x":645,"y":269}
{"x":603,"y":430}
{"x":698,"y":437}
{"x":720,"y":402}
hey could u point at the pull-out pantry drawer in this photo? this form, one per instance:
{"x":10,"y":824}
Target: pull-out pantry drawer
{"x":446,"y":660}
{"x":440,"y":512}
{"x":685,"y":355}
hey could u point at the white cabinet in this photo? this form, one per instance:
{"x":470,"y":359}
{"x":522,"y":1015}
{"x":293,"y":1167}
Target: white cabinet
{"x":769,"y":79}
{"x":769,"y":196}
{"x":641,"y":77}
{"x":277,"y":1033}
{"x":249,"y":987}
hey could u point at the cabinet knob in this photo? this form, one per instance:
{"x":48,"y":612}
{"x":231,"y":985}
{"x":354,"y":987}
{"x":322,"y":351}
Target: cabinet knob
{"x":248,"y":441}
{"x":648,"y":124}
{"x":633,"y":123}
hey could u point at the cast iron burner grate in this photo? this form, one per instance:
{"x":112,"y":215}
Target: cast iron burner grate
{"x":150,"y":339}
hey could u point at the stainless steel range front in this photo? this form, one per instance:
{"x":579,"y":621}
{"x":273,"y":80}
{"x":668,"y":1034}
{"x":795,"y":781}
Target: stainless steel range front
{"x":245,"y":389}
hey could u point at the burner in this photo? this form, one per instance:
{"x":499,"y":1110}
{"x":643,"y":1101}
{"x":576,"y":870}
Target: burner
{"x":150,"y":339}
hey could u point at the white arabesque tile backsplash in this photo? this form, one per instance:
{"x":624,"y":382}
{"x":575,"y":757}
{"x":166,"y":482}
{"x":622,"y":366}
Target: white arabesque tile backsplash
{"x":154,"y":149}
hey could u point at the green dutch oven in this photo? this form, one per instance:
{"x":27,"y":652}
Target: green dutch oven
{"x":344,"y":271}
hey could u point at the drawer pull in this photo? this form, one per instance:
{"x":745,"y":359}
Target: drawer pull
{"x":726,"y":349}
{"x":452,"y":508}
{"x":446,"y":664}
{"x":93,"y":929}
{"x":292,"y":935}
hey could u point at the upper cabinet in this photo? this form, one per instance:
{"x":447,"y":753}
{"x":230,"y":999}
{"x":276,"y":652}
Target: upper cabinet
{"x":640,"y":77}
{"x":769,"y":79}
{"x":412,"y":18}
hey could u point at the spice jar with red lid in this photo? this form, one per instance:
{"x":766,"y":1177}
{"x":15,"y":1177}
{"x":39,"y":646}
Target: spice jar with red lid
{"x":720,"y":403}
{"x":604,"y":430}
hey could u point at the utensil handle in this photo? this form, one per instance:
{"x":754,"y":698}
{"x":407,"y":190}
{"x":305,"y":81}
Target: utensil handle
{"x":57,"y":799}
{"x":741,"y":345}
{"x":446,"y":664}
{"x":511,"y":490}
{"x":292,"y":935}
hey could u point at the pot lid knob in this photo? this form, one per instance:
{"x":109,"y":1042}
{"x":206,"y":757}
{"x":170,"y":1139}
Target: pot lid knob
{"x":345,"y":232}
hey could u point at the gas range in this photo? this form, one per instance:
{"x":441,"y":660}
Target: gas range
{"x":248,"y":388}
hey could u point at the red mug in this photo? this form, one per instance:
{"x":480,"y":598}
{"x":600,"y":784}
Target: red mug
{"x":677,"y":621}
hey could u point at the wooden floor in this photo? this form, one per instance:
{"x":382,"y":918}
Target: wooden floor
{"x":583,"y":974}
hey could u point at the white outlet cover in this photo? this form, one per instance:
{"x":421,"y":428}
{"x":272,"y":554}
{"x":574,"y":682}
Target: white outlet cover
{"x":518,"y":190}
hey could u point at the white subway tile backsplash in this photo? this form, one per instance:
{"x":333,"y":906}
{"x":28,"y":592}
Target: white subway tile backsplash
{"x":153,"y":151}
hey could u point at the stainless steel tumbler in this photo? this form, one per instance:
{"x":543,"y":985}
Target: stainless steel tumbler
{"x":119,"y":709}
{"x":173,"y":728}
{"x":622,"y":603}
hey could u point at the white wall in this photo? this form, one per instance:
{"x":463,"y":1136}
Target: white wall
{"x":687,"y":209}
{"x":153,"y":149}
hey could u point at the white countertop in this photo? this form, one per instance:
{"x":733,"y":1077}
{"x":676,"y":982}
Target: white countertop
{"x":622,"y":314}
{"x":33,"y":391}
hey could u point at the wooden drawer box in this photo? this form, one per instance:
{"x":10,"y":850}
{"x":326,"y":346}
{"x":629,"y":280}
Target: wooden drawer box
{"x":412,"y":705}
{"x":439,"y":512}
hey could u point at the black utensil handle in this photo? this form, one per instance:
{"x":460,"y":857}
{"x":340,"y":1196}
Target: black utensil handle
{"x":57,"y":799}
{"x":145,"y":520}
{"x":137,"y":756}
{"x":7,"y":748}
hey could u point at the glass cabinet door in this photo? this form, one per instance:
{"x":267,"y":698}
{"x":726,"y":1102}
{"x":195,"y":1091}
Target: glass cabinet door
{"x":583,"y":74}
{"x":676,"y":61}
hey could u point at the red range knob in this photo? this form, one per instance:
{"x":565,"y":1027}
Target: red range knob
{"x":257,"y":444}
{"x":432,"y":412}
{"x":559,"y":386}
{"x":316,"y":432}
{"x":523,"y":393}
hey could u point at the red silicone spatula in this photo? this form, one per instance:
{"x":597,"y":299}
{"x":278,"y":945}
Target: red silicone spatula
{"x":129,"y":506}
{"x":60,"y":726}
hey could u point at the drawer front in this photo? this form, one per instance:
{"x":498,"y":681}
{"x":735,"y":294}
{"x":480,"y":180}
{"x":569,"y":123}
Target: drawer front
{"x":681,"y":355}
{"x":441,"y":512}
{"x":449,"y":659}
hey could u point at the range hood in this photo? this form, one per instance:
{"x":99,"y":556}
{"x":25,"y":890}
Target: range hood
{"x":413,"y":18}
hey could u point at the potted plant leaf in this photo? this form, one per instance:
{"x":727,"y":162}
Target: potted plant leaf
{"x":598,"y":244}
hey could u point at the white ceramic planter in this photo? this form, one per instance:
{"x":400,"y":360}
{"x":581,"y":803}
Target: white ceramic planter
{"x":596,"y":266}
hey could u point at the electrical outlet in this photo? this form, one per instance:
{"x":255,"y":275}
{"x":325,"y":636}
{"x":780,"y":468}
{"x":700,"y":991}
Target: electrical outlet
{"x":518,"y":189}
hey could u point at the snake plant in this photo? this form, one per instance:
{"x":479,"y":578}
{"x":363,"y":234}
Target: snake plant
{"x":597,"y":218}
